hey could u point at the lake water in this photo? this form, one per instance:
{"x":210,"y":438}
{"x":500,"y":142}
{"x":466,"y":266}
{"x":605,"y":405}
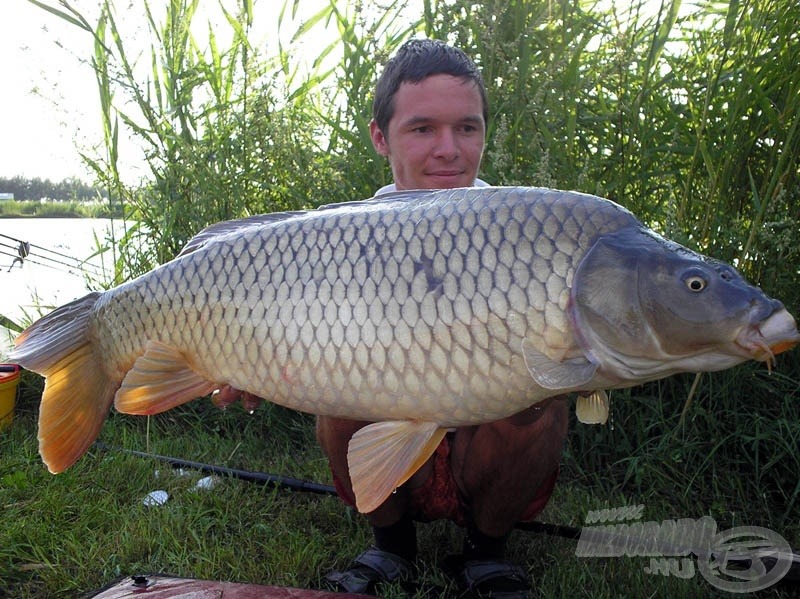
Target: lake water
{"x":61,"y":266}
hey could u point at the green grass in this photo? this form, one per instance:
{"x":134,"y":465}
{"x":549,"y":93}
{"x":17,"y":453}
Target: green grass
{"x":65,"y":535}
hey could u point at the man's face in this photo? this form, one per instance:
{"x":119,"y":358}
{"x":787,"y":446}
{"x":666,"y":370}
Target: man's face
{"x":436,"y":134}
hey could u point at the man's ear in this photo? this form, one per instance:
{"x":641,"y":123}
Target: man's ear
{"x":378,"y":139}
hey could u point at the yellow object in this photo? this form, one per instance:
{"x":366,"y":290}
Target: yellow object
{"x":9,"y":378}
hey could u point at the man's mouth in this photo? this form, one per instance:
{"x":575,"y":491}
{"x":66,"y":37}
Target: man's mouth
{"x":446,"y":174}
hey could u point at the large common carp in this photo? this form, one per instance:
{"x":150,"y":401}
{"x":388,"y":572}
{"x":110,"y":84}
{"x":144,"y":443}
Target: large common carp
{"x":421,"y":310}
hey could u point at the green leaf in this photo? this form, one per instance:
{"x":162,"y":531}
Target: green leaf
{"x":78,"y":22}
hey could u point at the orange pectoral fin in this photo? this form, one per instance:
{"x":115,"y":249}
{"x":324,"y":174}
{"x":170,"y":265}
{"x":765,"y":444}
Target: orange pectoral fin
{"x":383,"y":455}
{"x":160,"y":380}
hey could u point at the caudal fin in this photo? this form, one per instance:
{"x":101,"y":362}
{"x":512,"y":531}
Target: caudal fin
{"x":77,"y":394}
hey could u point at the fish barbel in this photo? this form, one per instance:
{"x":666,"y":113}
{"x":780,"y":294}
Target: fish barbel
{"x":421,"y":310}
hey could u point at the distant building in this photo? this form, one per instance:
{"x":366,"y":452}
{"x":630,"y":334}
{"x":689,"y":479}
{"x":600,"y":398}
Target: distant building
{"x":6,"y":196}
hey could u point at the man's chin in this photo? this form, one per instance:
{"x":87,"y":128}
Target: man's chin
{"x":447,"y":181}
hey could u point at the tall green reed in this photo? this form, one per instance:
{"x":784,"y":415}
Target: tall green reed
{"x":743,"y":179}
{"x":221,"y":132}
{"x":341,"y":94}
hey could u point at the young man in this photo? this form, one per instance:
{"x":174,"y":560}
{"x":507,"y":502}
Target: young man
{"x":429,"y":120}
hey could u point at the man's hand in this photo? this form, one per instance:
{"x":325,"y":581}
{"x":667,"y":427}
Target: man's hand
{"x":227,"y":395}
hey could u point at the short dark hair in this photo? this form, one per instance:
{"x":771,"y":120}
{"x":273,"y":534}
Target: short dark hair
{"x":414,"y":61}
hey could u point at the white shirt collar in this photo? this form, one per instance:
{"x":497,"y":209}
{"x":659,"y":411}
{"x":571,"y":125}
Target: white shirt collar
{"x":392,"y":187}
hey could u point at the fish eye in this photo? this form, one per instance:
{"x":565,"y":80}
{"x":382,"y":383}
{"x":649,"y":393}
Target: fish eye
{"x":695,"y":283}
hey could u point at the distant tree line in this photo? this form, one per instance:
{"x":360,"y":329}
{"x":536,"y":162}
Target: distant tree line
{"x":67,"y":190}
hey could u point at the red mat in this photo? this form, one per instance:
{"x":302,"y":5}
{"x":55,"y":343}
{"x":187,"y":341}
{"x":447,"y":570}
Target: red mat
{"x":156,"y":586}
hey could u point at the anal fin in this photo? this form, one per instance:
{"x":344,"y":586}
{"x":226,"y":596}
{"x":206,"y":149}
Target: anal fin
{"x":159,"y":380}
{"x":383,"y":455}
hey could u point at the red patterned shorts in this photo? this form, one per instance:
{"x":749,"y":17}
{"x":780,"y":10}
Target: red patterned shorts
{"x":439,"y":497}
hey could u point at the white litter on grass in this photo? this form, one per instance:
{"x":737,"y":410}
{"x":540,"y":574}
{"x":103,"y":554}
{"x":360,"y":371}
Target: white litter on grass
{"x":174,"y":472}
{"x":207,"y":482}
{"x":156,"y":498}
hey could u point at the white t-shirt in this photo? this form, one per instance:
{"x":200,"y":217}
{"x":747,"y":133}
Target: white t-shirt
{"x":392,"y":187}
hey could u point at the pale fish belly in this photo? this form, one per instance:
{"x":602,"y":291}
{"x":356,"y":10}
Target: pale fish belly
{"x":414,"y":309}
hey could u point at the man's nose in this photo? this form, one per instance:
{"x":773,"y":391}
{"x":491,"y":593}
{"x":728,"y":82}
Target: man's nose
{"x":446,"y":145}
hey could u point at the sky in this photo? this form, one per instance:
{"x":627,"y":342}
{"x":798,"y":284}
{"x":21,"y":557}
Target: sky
{"x":47,"y":100}
{"x":49,"y":105}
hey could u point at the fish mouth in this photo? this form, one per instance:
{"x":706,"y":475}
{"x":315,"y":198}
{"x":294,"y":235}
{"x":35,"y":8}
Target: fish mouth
{"x":777,"y":334}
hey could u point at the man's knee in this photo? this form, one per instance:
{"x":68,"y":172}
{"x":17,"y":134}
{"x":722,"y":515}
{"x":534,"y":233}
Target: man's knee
{"x":543,"y":440}
{"x":532,"y":439}
{"x":555,"y":419}
{"x":335,"y":433}
{"x":333,"y":437}
{"x":548,"y":415}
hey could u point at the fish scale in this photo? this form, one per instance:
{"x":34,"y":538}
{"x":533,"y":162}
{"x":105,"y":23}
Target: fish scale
{"x":424,"y":310}
{"x":369,"y":286}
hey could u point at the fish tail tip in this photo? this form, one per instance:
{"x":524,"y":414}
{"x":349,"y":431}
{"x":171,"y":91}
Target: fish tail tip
{"x":55,"y":461}
{"x":77,"y":394}
{"x":75,"y":404}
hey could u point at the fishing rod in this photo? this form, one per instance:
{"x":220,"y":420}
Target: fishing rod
{"x":74,"y":271}
{"x":24,"y":251}
{"x":70,"y":270}
{"x":599,"y":536}
{"x":21,"y":260}
{"x":33,"y":245}
{"x":262,"y":478}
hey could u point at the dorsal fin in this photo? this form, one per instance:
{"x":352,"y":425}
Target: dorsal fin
{"x":223,"y":228}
